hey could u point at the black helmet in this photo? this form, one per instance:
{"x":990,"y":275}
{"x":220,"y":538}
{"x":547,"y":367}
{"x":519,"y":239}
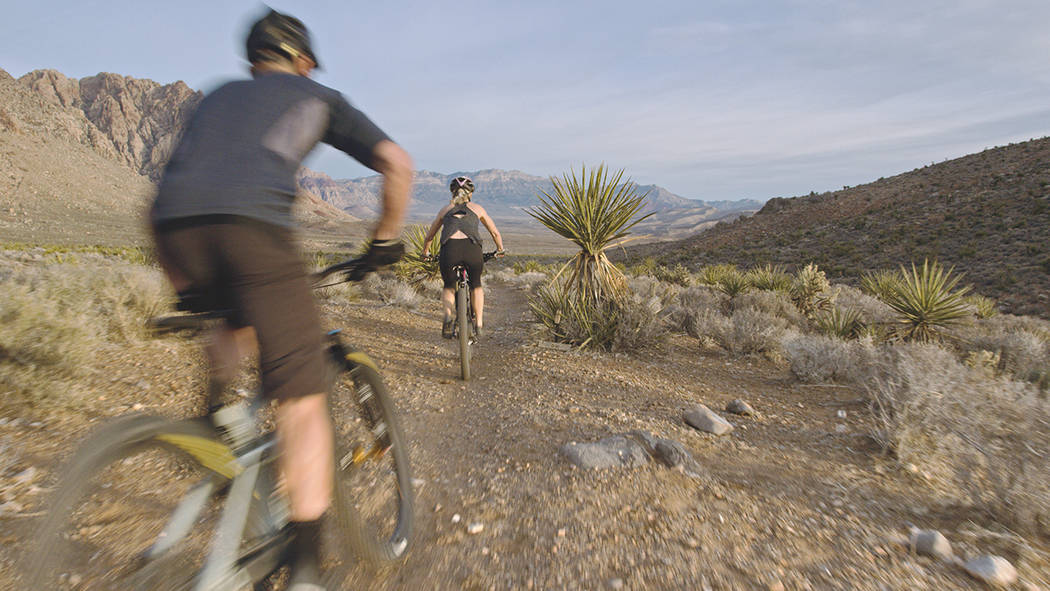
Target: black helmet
{"x":281,"y":33}
{"x":461,"y":182}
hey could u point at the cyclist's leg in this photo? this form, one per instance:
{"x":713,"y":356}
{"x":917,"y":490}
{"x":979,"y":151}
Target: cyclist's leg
{"x":448,"y":290}
{"x":475,"y":262}
{"x":274,"y":297}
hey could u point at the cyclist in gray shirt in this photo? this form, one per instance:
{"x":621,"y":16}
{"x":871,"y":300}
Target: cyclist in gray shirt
{"x":222,"y":220}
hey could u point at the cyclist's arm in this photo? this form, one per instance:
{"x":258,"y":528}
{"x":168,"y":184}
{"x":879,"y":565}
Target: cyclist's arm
{"x":396,"y":167}
{"x":434,"y":227}
{"x":491,"y":227}
{"x":354,"y":133}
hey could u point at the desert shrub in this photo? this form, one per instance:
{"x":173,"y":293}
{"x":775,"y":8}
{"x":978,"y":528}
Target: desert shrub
{"x":981,"y":306}
{"x":690,"y":303}
{"x":873,"y":311}
{"x":413,"y":267}
{"x":820,"y":359}
{"x":809,"y":290}
{"x":771,"y":302}
{"x":677,"y":275}
{"x":770,"y":278}
{"x":926,"y":302}
{"x":713,"y":274}
{"x":746,"y":332}
{"x":55,"y":318}
{"x":978,"y":437}
{"x":628,"y":324}
{"x":391,"y":290}
{"x":1020,"y":344}
{"x":879,"y":284}
{"x":844,"y":323}
{"x":733,"y":283}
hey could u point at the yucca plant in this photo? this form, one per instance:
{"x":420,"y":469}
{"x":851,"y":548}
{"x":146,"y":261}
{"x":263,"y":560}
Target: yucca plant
{"x":733,"y":283}
{"x":809,"y":290}
{"x":412,"y":267}
{"x":770,"y":278}
{"x":982,"y":306}
{"x":594,"y":211}
{"x":844,"y":323}
{"x":927,"y":302}
{"x":880,"y":283}
{"x":677,"y":275}
{"x":713,"y":274}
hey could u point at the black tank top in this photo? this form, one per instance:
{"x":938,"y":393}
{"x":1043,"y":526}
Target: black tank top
{"x":463,"y":219}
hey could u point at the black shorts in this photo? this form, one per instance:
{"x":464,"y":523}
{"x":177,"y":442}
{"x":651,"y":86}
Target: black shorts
{"x":463,"y":251}
{"x":253,"y":270}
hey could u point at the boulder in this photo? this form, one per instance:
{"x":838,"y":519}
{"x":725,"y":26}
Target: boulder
{"x":705,"y":419}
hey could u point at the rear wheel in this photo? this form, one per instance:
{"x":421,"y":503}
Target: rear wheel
{"x":463,"y":320}
{"x":373,"y":486}
{"x":111,"y":515}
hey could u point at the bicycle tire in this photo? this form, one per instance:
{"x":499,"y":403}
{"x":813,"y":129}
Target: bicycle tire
{"x":373,"y":495}
{"x":463,"y":320}
{"x":114,"y":499}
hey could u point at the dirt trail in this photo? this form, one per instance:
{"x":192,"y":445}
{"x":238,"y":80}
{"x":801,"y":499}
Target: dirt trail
{"x":799,"y":498}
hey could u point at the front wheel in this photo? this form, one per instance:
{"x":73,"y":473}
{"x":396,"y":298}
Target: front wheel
{"x":110,"y":523}
{"x":465,"y":329}
{"x":373,"y":486}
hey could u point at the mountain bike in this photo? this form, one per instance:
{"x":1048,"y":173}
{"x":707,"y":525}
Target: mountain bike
{"x":150,"y":503}
{"x":465,"y":316}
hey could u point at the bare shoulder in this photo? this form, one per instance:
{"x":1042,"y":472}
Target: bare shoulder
{"x":478,"y":209}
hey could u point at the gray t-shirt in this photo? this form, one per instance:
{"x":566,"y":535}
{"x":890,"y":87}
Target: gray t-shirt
{"x":242,"y":148}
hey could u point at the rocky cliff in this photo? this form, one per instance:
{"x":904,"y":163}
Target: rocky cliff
{"x":140,"y":120}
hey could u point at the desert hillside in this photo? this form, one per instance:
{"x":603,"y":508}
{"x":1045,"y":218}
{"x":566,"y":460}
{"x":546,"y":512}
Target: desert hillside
{"x":988,"y":214}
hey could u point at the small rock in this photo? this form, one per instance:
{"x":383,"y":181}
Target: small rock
{"x":841,"y":414}
{"x":994,"y":570}
{"x":616,"y":583}
{"x":611,"y":452}
{"x":418,"y":482}
{"x":475,"y":528}
{"x":562,"y":532}
{"x":930,"y":542}
{"x":456,"y":518}
{"x":707,"y":420}
{"x":437,"y":507}
{"x":137,"y":406}
{"x":739,"y":407}
{"x":692,"y":543}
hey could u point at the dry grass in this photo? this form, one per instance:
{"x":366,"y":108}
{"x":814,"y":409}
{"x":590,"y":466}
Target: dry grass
{"x":818,"y":359}
{"x":56,"y":317}
{"x":981,"y":440}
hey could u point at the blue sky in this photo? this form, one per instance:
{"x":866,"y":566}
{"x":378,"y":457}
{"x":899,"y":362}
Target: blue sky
{"x":711,"y":99}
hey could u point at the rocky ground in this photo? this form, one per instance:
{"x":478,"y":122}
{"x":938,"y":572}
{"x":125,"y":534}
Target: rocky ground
{"x":794,"y":497}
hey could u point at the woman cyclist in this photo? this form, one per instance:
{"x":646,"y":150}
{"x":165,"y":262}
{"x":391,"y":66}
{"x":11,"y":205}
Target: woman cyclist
{"x":461,"y":244}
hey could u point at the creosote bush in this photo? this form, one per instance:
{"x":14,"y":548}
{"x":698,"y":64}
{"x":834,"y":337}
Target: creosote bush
{"x":56,"y":318}
{"x":973,"y":434}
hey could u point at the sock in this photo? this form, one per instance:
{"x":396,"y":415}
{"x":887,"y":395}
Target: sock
{"x":305,"y":556}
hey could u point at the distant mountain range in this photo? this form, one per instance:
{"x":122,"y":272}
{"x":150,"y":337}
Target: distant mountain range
{"x":61,"y":126}
{"x":507,"y":194}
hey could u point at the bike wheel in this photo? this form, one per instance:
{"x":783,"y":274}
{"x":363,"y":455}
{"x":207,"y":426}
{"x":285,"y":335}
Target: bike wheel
{"x":463,"y":320}
{"x":373,"y":486}
{"x":112,"y":511}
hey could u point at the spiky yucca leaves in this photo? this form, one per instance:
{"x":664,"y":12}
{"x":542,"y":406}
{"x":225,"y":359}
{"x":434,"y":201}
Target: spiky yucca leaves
{"x":770,"y":278}
{"x":677,"y":275}
{"x":880,"y":283}
{"x":983,"y":307}
{"x":809,"y":290}
{"x":593,"y":211}
{"x":844,"y":323}
{"x":412,"y":267}
{"x":733,"y":283}
{"x":927,"y":302}
{"x":713,"y":274}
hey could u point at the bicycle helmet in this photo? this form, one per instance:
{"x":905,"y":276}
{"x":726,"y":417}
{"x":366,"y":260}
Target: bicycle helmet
{"x":280,"y":33}
{"x":461,"y":182}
